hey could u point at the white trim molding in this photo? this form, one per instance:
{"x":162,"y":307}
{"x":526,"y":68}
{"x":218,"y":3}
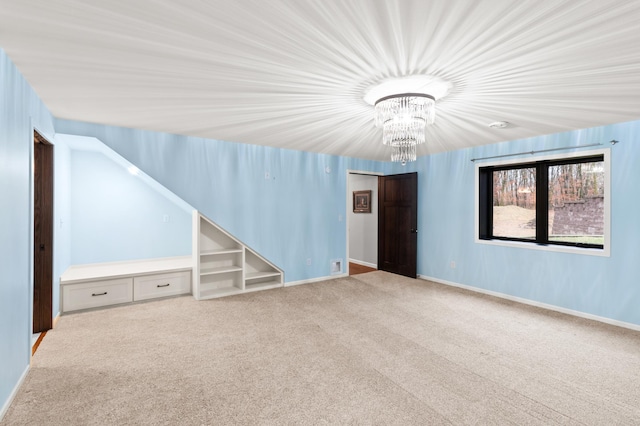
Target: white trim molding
{"x":55,"y":320}
{"x":314,"y":280}
{"x":529,"y":302}
{"x":14,"y":392}
{"x":363,"y":263}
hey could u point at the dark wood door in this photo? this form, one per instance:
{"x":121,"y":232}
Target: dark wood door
{"x":42,"y":234}
{"x":398,"y":223}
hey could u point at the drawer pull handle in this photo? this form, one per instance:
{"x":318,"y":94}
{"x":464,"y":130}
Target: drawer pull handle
{"x":99,"y":294}
{"x":163,"y":285}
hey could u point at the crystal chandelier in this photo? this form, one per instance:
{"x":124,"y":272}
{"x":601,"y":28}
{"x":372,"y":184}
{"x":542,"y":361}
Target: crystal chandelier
{"x":404,"y":107}
{"x":403,"y":119}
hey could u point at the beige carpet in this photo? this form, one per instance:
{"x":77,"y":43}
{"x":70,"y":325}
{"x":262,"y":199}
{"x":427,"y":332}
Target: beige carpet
{"x":371,"y":349}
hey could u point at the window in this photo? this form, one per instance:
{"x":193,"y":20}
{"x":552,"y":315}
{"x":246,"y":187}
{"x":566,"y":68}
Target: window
{"x":552,"y":202}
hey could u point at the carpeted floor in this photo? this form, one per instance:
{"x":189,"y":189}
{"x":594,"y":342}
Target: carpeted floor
{"x":374,"y":348}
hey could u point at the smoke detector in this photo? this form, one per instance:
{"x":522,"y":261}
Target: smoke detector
{"x":499,"y":125}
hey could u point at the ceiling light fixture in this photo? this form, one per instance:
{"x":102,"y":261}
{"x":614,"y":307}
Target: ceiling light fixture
{"x":403,"y":119}
{"x":404,"y":107}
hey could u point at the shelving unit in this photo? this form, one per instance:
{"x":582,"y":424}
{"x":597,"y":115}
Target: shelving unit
{"x":224,"y":266}
{"x":258,"y":274}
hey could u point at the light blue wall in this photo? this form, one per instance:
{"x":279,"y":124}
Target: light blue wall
{"x":117,"y":216}
{"x":295,"y":214}
{"x":602,"y":286}
{"x":299,"y":213}
{"x":20,"y":110}
{"x":61,"y":218}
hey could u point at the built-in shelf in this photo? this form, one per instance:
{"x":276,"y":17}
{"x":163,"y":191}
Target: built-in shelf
{"x":220,"y":270}
{"x":220,"y":251}
{"x":262,"y":286}
{"x":256,"y":275}
{"x":219,"y":292}
{"x":224,"y":266}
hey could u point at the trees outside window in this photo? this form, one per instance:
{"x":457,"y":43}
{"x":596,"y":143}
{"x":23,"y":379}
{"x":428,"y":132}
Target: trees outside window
{"x":560,"y":202}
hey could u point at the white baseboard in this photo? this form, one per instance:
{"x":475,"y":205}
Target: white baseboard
{"x":363,"y":263}
{"x":314,"y":280}
{"x":605,"y":320}
{"x":55,"y":320}
{"x":9,"y":400}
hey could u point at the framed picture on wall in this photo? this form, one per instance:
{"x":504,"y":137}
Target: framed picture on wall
{"x":362,"y":201}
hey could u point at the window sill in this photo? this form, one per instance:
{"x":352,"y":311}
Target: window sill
{"x":605,"y":252}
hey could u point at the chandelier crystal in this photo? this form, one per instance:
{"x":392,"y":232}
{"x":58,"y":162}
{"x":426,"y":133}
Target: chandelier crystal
{"x":404,"y":107}
{"x":403,"y":153}
{"x":403,"y":119}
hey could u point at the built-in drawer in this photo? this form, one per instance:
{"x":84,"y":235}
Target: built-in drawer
{"x":94,"y":294}
{"x":161,"y":285}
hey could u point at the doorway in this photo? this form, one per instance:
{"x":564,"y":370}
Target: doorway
{"x":42,"y":234}
{"x":362,"y":227}
{"x":388,"y":240}
{"x":398,"y":224}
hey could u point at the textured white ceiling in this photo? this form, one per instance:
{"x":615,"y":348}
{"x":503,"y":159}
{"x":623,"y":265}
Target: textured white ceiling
{"x":292,"y":73}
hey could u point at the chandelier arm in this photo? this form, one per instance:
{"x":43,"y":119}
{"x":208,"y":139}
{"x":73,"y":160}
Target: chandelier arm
{"x":405,"y":95}
{"x":390,"y":120}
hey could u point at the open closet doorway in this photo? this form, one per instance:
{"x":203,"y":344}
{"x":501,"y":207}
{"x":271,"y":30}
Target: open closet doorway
{"x":42,"y":233}
{"x":362,"y":226}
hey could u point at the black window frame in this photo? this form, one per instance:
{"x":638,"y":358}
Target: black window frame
{"x":485,"y":199}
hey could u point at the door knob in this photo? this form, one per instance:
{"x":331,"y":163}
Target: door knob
{"x":41,"y":246}
{"x":414,"y":231}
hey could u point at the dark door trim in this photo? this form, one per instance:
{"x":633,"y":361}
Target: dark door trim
{"x":42,"y":233}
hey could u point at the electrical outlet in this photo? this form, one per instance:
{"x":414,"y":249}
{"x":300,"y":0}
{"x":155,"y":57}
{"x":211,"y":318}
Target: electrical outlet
{"x":336,"y":266}
{"x":453,"y":264}
{"x":267,"y":175}
{"x":166,"y":218}
{"x":309,"y":262}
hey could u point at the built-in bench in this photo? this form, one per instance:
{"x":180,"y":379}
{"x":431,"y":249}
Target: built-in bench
{"x":105,"y":284}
